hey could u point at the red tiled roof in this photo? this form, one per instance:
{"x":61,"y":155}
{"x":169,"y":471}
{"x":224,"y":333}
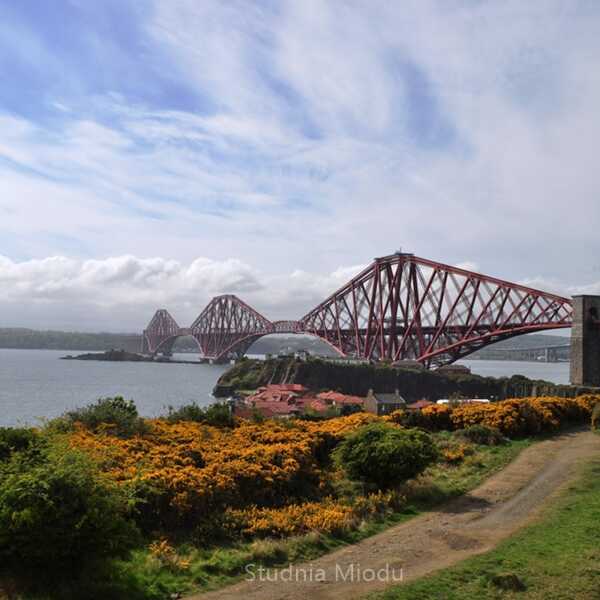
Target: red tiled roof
{"x":277,"y":393}
{"x":289,"y":399}
{"x":270,"y":396}
{"x":318,"y":405}
{"x":340,"y":398}
{"x":276,"y":408}
{"x":420,"y":404}
{"x":287,"y":387}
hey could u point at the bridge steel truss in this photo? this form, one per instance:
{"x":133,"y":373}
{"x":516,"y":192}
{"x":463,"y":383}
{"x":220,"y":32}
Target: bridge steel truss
{"x":403,"y":307}
{"x":228,"y":326}
{"x":161,"y":333}
{"x":400,"y":307}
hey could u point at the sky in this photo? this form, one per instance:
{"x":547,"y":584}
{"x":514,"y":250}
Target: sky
{"x":160,"y":152}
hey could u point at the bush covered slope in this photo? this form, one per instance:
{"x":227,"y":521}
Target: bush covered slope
{"x":357,"y":379}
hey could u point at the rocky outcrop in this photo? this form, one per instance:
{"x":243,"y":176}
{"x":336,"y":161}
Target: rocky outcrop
{"x":358,"y":379}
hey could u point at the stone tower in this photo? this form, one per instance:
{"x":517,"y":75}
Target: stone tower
{"x":585,"y":341}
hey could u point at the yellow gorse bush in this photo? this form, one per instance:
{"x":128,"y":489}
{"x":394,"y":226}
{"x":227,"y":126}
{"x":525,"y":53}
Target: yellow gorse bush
{"x":258,"y":476}
{"x":525,"y":416}
{"x":515,"y":417}
{"x":326,"y":517}
{"x":456,"y":453}
{"x":196,"y":468}
{"x":163,"y":552}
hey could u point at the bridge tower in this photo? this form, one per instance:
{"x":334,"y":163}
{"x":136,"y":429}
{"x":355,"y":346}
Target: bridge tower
{"x":585,"y":341}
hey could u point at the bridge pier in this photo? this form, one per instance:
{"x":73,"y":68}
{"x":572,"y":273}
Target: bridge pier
{"x":585,"y":341}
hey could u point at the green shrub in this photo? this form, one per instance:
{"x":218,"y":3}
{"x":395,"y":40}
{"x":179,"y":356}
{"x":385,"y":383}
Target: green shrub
{"x":350,"y":409}
{"x":187,"y":412}
{"x":16,"y":439}
{"x":117,"y":412}
{"x":257,"y":417}
{"x":58,"y":517}
{"x":384,"y":455}
{"x":217,"y":415}
{"x":410,"y":418}
{"x":481,"y":434}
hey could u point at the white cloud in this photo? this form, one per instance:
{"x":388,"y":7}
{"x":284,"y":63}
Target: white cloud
{"x":557,"y":287}
{"x":120,"y":281}
{"x":468,"y":266}
{"x":122,"y":292}
{"x":334,"y":133}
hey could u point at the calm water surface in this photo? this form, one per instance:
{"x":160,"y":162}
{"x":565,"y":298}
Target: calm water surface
{"x":36,"y":384}
{"x":554,"y":372}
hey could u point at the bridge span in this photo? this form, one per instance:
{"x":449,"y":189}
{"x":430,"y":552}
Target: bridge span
{"x":400,"y":307}
{"x":549,"y":353}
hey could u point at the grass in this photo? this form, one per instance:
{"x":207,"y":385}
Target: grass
{"x":210,"y":568}
{"x":556,"y":558}
{"x":441,"y":482}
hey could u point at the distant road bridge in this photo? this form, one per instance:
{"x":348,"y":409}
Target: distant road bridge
{"x":400,"y":307}
{"x":555,"y":353}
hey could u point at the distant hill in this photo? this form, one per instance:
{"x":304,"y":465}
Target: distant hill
{"x":521,"y":342}
{"x":22,"y":338}
{"x":533,"y":340}
{"x":68,"y":340}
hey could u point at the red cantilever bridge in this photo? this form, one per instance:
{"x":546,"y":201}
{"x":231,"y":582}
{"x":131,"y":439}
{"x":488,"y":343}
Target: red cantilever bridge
{"x":400,"y":307}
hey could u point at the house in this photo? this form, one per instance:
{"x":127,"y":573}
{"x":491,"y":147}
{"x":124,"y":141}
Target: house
{"x":291,"y":399}
{"x":382,"y":403}
{"x":337,"y":399}
{"x":280,"y":392}
{"x":314,"y":404}
{"x":282,"y":400}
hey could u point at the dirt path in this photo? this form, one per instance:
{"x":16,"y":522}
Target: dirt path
{"x":469,"y":525}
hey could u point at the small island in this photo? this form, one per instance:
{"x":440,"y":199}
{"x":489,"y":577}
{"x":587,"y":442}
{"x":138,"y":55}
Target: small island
{"x":124,"y":356}
{"x":110,"y":355}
